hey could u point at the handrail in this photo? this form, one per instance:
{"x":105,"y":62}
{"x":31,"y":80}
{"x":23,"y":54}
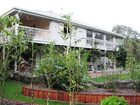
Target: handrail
{"x":99,"y":40}
{"x":33,"y":28}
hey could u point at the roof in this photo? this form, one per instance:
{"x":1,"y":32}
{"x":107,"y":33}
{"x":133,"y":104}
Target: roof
{"x":58,"y":18}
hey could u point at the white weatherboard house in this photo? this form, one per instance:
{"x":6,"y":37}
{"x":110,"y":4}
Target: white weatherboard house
{"x":45,"y":27}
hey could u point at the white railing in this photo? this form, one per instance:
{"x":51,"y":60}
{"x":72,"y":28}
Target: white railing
{"x":37,"y":34}
{"x":99,"y":43}
{"x":99,"y":40}
{"x":110,"y":45}
{"x":89,"y":41}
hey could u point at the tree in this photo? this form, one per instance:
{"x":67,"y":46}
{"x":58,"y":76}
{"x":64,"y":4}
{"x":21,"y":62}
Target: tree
{"x":11,"y":46}
{"x":75,"y":63}
{"x":133,"y":60}
{"x":125,"y":30}
{"x":49,"y":66}
{"x":130,"y":43}
{"x":66,"y":69}
{"x":121,"y":57}
{"x":130,"y":52}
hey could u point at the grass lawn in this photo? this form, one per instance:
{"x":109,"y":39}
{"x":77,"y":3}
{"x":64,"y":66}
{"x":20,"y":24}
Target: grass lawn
{"x":11,"y":90}
{"x":105,"y":78}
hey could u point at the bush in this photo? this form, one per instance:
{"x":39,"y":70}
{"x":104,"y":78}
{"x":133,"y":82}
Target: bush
{"x":112,"y":82}
{"x":114,"y":100}
{"x":135,"y":76}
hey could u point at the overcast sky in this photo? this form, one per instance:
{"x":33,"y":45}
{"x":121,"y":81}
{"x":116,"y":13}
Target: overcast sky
{"x":99,"y":13}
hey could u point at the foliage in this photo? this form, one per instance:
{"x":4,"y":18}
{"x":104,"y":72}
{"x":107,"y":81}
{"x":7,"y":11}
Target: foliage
{"x":66,"y":69}
{"x":75,"y":63}
{"x":56,"y":66}
{"x":132,"y":48}
{"x":133,"y":60}
{"x":134,"y":69}
{"x":136,"y":77}
{"x":76,"y":69}
{"x":95,"y":54}
{"x":131,"y":43}
{"x":103,"y":79}
{"x":121,"y":57}
{"x":112,"y":79}
{"x":114,"y":100}
{"x":125,"y":30}
{"x":12,"y":45}
{"x":47,"y":66}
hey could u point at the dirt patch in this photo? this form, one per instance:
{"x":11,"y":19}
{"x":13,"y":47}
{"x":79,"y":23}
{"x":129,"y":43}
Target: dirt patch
{"x":105,"y":91}
{"x":13,"y":102}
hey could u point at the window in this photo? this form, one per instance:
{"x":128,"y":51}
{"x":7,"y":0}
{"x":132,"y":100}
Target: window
{"x":99,"y":36}
{"x":109,"y":38}
{"x":66,"y":29}
{"x":89,"y":33}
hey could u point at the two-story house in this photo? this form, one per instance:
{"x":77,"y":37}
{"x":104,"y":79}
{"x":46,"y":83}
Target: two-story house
{"x":45,"y":27}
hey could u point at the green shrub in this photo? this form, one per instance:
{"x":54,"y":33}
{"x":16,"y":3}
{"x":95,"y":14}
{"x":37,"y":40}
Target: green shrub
{"x":135,"y":75}
{"x":112,"y":82}
{"x":114,"y":100}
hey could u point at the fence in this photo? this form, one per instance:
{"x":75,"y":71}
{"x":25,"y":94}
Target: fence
{"x":79,"y":97}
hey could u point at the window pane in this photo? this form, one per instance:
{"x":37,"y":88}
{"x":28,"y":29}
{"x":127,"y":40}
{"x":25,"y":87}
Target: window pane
{"x":89,"y":33}
{"x":109,"y":38}
{"x":66,"y":29}
{"x":99,"y":36}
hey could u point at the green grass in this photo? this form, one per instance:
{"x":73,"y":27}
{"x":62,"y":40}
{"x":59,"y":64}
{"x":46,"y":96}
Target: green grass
{"x":11,"y":89}
{"x":105,"y":78}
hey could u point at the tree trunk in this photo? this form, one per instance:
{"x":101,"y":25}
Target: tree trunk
{"x":2,"y":89}
{"x":49,"y":87}
{"x":32,"y":73}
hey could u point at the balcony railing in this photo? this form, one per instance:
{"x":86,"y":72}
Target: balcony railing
{"x":101,"y":44}
{"x":110,"y":45}
{"x":37,"y":34}
{"x":89,"y":41}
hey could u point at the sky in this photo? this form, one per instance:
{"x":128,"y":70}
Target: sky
{"x":102,"y":14}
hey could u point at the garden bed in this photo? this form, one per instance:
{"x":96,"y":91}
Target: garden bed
{"x":88,"y":96}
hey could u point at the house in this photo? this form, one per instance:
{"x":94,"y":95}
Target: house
{"x":45,"y":27}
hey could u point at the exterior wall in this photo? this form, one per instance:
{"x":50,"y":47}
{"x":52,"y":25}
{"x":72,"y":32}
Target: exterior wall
{"x":55,"y":29}
{"x":46,"y":31}
{"x":55,"y":33}
{"x":80,"y":35}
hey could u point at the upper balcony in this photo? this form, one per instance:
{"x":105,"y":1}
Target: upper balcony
{"x":38,"y":35}
{"x":101,"y":44}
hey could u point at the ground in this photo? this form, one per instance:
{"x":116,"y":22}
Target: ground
{"x":12,"y":87}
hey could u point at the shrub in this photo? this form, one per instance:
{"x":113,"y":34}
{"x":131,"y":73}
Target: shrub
{"x":135,"y":75}
{"x":114,"y":100}
{"x":112,"y":82}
